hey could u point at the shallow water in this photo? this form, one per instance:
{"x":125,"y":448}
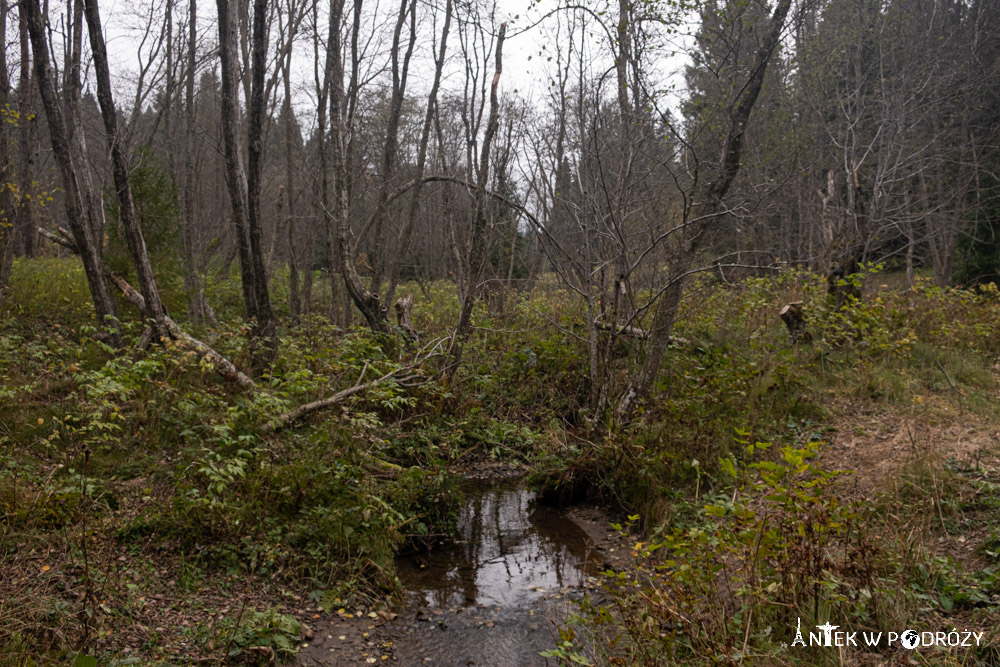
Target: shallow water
{"x":494,"y":596}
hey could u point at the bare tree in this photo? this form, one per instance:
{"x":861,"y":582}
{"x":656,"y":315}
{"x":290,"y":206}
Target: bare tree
{"x":404,"y":236}
{"x":711,"y":202}
{"x":27,"y":138}
{"x":244,"y":186}
{"x":390,"y":149}
{"x":288,"y":189}
{"x":155,"y":309}
{"x":82,"y":230}
{"x":198,"y":308}
{"x":7,"y":201}
{"x":477,"y":244}
{"x":367,"y":302}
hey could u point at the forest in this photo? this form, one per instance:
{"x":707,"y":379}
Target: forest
{"x":615,"y":332}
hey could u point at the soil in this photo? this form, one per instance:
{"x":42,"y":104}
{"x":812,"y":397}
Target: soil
{"x":878,"y":446}
{"x":496,"y":597}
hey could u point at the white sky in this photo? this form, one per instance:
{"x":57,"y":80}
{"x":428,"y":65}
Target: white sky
{"x":526,"y":68}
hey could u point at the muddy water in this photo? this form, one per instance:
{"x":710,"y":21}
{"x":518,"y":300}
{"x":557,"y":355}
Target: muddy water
{"x":494,"y":596}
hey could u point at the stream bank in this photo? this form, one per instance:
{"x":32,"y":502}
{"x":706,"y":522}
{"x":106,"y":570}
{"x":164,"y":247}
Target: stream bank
{"x":493,"y":596}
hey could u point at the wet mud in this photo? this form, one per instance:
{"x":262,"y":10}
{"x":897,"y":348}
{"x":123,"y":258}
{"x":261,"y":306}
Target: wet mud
{"x":492,"y":597}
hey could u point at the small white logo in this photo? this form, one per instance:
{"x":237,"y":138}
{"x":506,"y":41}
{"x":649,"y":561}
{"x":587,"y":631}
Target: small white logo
{"x":827,"y":636}
{"x":798,"y":635}
{"x":909,"y":639}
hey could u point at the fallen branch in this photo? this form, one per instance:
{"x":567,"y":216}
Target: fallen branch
{"x":636,"y":332}
{"x":225,"y":367}
{"x":952,"y":384}
{"x":628,"y":331}
{"x":298,"y":413}
{"x":64,"y":240}
{"x":408,"y":377}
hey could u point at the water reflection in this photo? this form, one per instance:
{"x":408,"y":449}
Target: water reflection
{"x":511,"y":549}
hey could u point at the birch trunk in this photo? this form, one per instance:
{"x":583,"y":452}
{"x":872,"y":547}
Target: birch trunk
{"x":81,"y":230}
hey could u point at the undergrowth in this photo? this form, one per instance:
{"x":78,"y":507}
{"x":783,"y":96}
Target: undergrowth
{"x":128,"y":479}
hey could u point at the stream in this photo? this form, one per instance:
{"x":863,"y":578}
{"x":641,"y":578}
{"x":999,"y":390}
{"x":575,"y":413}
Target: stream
{"x":493,"y":596}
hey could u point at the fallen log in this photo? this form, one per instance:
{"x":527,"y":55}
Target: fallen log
{"x":225,"y":367}
{"x":288,"y":418}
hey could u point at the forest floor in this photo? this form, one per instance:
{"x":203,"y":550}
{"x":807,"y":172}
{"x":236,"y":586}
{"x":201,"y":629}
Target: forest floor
{"x":149,"y":519}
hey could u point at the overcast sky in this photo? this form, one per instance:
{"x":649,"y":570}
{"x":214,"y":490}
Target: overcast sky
{"x":526,"y":67}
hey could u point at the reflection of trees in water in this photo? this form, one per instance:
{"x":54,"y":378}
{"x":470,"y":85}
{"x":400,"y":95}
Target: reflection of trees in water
{"x":507,"y":540}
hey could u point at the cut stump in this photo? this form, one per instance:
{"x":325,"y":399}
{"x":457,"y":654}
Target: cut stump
{"x":793,"y":315}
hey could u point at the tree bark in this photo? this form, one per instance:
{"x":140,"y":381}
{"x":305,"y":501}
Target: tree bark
{"x":75,"y":212}
{"x":477,"y":246}
{"x":123,"y":190}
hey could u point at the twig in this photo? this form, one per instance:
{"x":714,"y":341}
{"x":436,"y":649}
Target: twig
{"x":957,"y":390}
{"x":945,"y":373}
{"x":406,"y":377}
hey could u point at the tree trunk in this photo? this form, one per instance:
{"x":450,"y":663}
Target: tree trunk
{"x":367,"y":302}
{"x":123,"y":190}
{"x":391,"y":146}
{"x":732,"y":150}
{"x":244,"y":187}
{"x":77,"y":135}
{"x":267,"y":326}
{"x":322,"y":92}
{"x":793,"y":315}
{"x":197,"y":308}
{"x":26,"y":145}
{"x":404,"y":237}
{"x":8,"y":203}
{"x":448,"y":213}
{"x":293,"y":268}
{"x":235,"y":176}
{"x":82,"y":232}
{"x":403,"y":307}
{"x":477,"y":246}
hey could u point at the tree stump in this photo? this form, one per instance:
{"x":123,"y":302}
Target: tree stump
{"x":403,"y":306}
{"x":793,"y":315}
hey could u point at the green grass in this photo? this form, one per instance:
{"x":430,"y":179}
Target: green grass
{"x":128,"y":475}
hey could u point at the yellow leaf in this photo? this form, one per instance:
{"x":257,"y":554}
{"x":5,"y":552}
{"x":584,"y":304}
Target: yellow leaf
{"x":46,"y":568}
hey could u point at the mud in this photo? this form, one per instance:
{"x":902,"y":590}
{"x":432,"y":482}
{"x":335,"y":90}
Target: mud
{"x":493,"y":597}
